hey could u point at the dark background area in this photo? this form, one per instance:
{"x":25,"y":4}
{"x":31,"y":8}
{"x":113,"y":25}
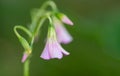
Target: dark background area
{"x":95,"y":50}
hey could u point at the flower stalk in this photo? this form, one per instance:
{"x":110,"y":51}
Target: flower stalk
{"x":53,"y":49}
{"x":26,"y":67}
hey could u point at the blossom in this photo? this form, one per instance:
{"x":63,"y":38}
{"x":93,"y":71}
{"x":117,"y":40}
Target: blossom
{"x":52,"y":48}
{"x":62,"y":34}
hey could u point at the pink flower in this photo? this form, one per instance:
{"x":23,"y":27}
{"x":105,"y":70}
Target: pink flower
{"x":65,"y":19}
{"x":62,"y":34}
{"x":25,"y":56}
{"x":52,"y":48}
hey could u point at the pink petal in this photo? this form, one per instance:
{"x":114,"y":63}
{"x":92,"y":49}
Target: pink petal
{"x":62,"y":34}
{"x":65,"y":52}
{"x":45,"y":54}
{"x":62,"y":50}
{"x":55,"y":52}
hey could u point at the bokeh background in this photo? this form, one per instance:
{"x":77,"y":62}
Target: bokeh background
{"x":95,"y":50}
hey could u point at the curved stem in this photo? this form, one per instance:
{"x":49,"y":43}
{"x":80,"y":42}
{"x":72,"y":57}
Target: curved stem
{"x":50,"y":20}
{"x":41,"y":12}
{"x":49,"y":3}
{"x":22,"y":28}
{"x":23,"y":41}
{"x":36,"y":19}
{"x":39,"y":25}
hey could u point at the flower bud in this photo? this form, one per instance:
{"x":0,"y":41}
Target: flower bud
{"x":64,"y":19}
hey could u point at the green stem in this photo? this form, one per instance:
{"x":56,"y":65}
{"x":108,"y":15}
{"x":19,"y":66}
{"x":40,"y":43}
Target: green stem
{"x":26,"y":68}
{"x":50,"y":3}
{"x":36,"y":30}
{"x":23,"y":29}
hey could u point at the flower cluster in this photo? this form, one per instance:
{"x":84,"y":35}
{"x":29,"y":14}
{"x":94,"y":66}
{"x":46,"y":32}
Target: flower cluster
{"x":57,"y":33}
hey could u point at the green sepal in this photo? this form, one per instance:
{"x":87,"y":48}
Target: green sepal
{"x":59,"y":15}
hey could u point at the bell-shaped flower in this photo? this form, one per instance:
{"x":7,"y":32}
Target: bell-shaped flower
{"x":52,"y":48}
{"x":62,"y":34}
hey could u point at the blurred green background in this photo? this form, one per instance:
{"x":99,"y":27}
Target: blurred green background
{"x":95,"y":50}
